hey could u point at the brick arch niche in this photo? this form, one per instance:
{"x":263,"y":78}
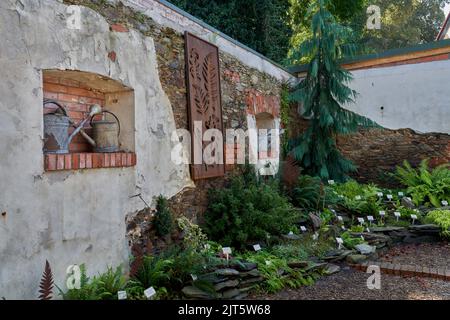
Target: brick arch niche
{"x":77,"y":91}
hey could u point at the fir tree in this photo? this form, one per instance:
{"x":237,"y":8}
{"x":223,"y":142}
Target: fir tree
{"x":322,"y":94}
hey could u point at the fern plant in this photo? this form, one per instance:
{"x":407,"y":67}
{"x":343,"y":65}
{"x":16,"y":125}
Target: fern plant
{"x":426,"y":186}
{"x":46,"y":285}
{"x":442,"y":219}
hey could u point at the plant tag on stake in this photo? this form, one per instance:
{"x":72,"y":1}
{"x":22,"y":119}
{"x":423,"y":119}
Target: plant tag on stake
{"x":368,"y":230}
{"x":401,"y":194}
{"x":343,"y":228}
{"x":122,"y":295}
{"x":290,"y":233}
{"x":397,"y":215}
{"x":194,"y":277}
{"x":340,"y":242}
{"x":362,"y":238}
{"x":358,"y":198}
{"x":380,"y":194}
{"x":444,"y":203}
{"x":361,"y":221}
{"x":330,"y":182}
{"x":303,"y":228}
{"x":149,"y":293}
{"x":389,"y":197}
{"x":382,"y":213}
{"x":370,"y":219}
{"x":414,"y":218}
{"x":268,"y":263}
{"x":315,"y":236}
{"x":226,"y":251}
{"x":256,"y":247}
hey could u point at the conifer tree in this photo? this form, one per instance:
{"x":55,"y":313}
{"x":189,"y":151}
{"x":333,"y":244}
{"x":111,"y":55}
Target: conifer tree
{"x":321,"y":96}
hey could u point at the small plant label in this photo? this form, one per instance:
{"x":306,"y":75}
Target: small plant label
{"x":380,"y":194}
{"x":361,"y":221}
{"x":382,"y":213}
{"x":149,"y":293}
{"x":358,"y":198}
{"x":207,"y":246}
{"x":122,"y":295}
{"x":343,"y":228}
{"x":268,"y":263}
{"x":194,"y":277}
{"x":257,"y":247}
{"x":330,"y":182}
{"x":340,"y":218}
{"x":340,"y":242}
{"x":397,"y":215}
{"x":401,"y":194}
{"x":390,"y":196}
{"x":444,"y":203}
{"x":362,"y":238}
{"x":315,"y":236}
{"x":414,"y":218}
{"x":370,"y":218}
{"x":303,"y":228}
{"x":226,"y":250}
{"x":290,"y":233}
{"x":368,"y":230}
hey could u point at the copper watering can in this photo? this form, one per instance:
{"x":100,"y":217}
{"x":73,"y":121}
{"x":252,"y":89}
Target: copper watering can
{"x":56,"y":128}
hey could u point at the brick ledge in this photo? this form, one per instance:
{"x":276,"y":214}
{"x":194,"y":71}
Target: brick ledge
{"x":406,"y":270}
{"x":87,"y":160}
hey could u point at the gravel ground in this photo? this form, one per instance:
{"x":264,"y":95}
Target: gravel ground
{"x":350,"y":284}
{"x":424,"y":255}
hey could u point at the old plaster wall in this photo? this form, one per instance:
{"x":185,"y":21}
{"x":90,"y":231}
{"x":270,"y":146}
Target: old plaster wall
{"x":407,"y":96}
{"x":72,"y":217}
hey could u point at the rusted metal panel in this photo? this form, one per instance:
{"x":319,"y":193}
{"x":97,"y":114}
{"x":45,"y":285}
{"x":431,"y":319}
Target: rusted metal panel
{"x":204,"y":97}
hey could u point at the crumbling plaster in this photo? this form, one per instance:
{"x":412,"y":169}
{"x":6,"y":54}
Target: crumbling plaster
{"x":72,"y":217}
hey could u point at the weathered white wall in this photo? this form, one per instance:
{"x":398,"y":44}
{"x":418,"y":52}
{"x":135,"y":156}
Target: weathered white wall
{"x":413,"y":96}
{"x":165,"y":16}
{"x":71,"y":217}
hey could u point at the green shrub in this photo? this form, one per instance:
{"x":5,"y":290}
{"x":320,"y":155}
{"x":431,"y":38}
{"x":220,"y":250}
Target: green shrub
{"x":307,"y":193}
{"x":442,"y":219}
{"x":102,"y":287}
{"x":426,"y":186}
{"x":163,"y":218}
{"x":248,"y":212}
{"x":349,"y":241}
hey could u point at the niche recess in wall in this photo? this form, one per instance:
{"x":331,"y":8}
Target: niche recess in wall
{"x":265,"y":122}
{"x":77,"y":91}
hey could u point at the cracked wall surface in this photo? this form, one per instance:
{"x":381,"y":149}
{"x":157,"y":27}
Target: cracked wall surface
{"x":77,"y":216}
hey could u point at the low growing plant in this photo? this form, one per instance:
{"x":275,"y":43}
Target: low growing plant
{"x":163,"y":218}
{"x":442,"y":219}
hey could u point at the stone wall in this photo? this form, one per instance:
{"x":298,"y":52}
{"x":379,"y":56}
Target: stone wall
{"x":377,"y":151}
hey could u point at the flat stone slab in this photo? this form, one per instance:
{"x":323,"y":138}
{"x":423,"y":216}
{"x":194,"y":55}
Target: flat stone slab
{"x":365,"y":249}
{"x":227,"y":272}
{"x":226,"y":284}
{"x":386,"y":229}
{"x":331,"y":269}
{"x":193,"y":292}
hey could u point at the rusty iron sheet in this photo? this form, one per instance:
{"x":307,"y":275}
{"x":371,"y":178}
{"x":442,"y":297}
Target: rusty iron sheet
{"x":204,"y":97}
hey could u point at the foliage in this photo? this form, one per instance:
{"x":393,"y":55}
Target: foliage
{"x":248,"y":212}
{"x":290,"y":252}
{"x":349,"y":241}
{"x":403,"y":22}
{"x":442,"y":219}
{"x":259,"y":24}
{"x":426,"y":186}
{"x":46,"y":284}
{"x":163,"y":217}
{"x":307,"y":192}
{"x":368,"y":204}
{"x":277,"y":273}
{"x":285,"y":107}
{"x":102,"y":287}
{"x":322,"y":94}
{"x":194,"y":237}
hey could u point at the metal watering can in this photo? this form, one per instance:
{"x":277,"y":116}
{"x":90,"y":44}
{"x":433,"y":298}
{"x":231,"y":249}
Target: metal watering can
{"x":106,"y":133}
{"x":56,"y":128}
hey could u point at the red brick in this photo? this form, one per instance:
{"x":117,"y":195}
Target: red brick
{"x":129,"y":159}
{"x":118,"y":28}
{"x":426,"y":271}
{"x":434,"y":273}
{"x":89,"y":100}
{"x":447,"y":274}
{"x":134,"y":159}
{"x":75,"y":161}
{"x":68,"y":162}
{"x":112,"y":159}
{"x":50,"y":79}
{"x":50,"y":95}
{"x":60,"y":162}
{"x":76,"y":115}
{"x":95,"y":160}
{"x":118,"y":160}
{"x":124,"y":159}
{"x":82,"y":160}
{"x":84,"y":93}
{"x":112,"y":56}
{"x":50,"y":162}
{"x":55,"y":88}
{"x":88,"y":160}
{"x":419,"y":271}
{"x":68,"y":97}
{"x":69,"y":82}
{"x":107,"y":160}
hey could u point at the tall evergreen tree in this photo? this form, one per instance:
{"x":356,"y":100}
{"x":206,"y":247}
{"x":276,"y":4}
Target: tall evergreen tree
{"x":322,"y":94}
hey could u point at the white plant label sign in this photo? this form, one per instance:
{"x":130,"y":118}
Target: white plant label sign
{"x":303,"y":228}
{"x":340,"y":218}
{"x":444,"y":203}
{"x":380,"y":194}
{"x":382,"y":213}
{"x":257,"y":247}
{"x":368,"y":230}
{"x":343,"y":228}
{"x":226,"y":250}
{"x":340,"y":242}
{"x":290,"y":233}
{"x":149,"y":293}
{"x":401,"y":194}
{"x":122,"y":295}
{"x":389,"y":196}
{"x":370,"y":218}
{"x":194,"y":277}
{"x":358,"y":198}
{"x":330,"y":182}
{"x":397,"y":214}
{"x":361,"y":220}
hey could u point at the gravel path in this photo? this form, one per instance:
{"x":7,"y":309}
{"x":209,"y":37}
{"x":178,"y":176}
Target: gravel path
{"x":424,"y":255}
{"x":351,"y":285}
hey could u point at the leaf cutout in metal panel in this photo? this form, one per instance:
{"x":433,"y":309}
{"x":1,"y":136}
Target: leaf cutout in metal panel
{"x":209,"y":72}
